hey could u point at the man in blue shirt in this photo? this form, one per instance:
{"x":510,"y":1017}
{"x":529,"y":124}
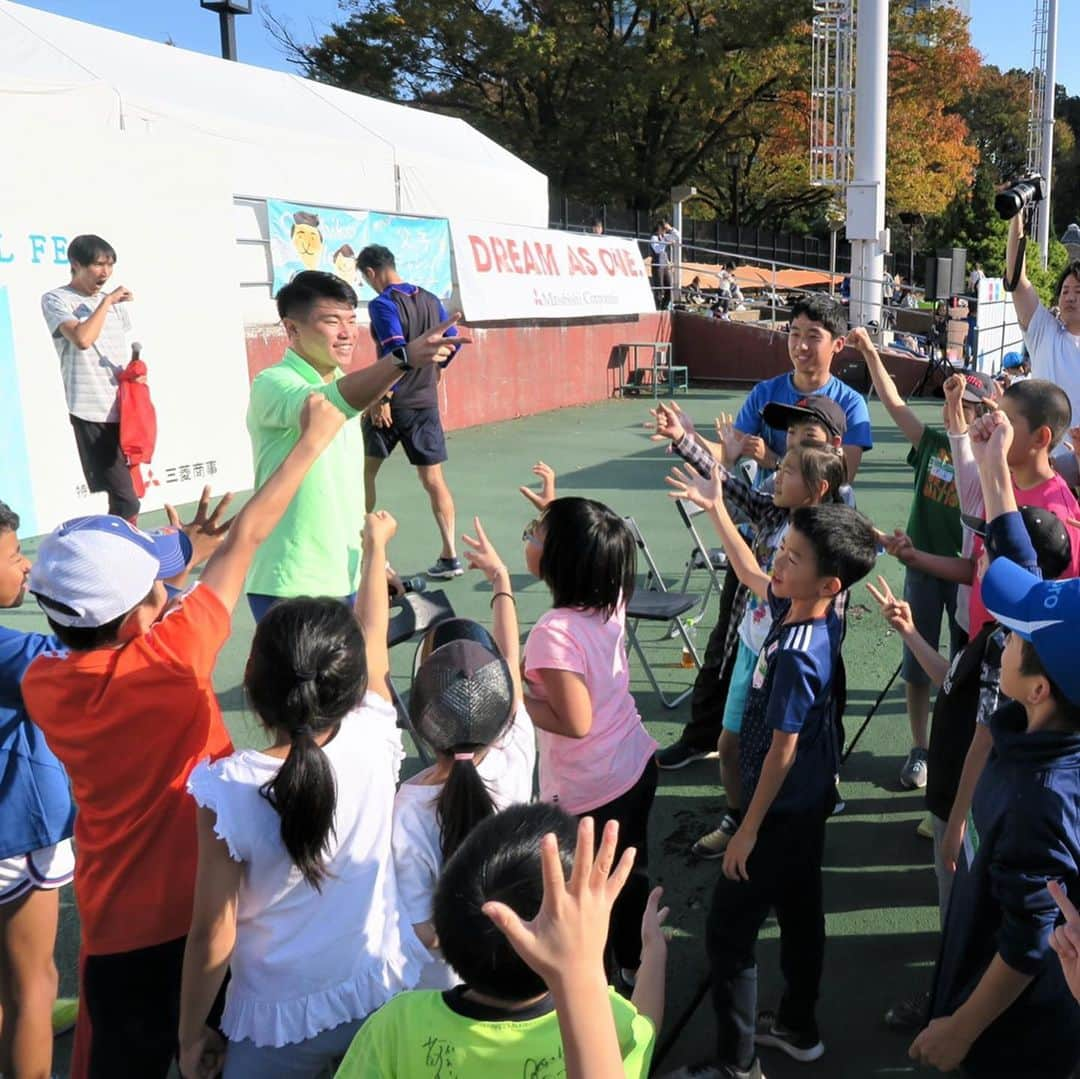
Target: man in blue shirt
{"x":817,"y":335}
{"x":409,"y":412}
{"x":36,"y":821}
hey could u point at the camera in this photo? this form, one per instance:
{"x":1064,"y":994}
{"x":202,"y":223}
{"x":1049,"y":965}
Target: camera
{"x":1018,"y":196}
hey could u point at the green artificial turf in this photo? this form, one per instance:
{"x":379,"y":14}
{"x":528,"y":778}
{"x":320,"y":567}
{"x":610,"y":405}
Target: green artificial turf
{"x":880,"y":891}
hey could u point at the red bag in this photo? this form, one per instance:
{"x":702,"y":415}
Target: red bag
{"x":138,"y":423}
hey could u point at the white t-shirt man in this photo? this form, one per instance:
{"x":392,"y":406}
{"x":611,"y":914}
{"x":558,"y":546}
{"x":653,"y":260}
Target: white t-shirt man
{"x":1055,"y":356}
{"x":89,"y":374}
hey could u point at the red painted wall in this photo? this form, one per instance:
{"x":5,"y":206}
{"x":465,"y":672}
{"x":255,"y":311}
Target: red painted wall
{"x":747,"y":352}
{"x":512,"y":369}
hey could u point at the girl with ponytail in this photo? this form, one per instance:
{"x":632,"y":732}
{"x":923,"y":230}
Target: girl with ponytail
{"x":296,"y":893}
{"x":466,"y":705}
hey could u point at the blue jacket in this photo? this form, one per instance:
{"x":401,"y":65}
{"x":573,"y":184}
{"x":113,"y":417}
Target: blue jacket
{"x":1026,"y":813}
{"x":35,"y":798}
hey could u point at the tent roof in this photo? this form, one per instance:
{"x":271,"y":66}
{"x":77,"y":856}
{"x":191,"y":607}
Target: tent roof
{"x":159,"y":86}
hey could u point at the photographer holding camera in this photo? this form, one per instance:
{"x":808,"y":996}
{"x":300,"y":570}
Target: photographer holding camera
{"x":1053,"y":345}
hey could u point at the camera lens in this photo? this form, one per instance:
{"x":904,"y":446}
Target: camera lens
{"x":1008,"y":203}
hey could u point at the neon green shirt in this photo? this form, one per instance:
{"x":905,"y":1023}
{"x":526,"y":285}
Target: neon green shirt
{"x":315,"y":549}
{"x":417,"y":1035}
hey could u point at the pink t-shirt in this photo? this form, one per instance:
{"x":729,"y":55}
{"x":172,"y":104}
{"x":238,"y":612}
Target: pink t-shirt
{"x":1052,"y":494}
{"x":583,"y":773}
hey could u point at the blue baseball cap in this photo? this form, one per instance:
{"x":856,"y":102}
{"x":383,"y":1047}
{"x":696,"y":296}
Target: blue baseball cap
{"x":91,"y":570}
{"x":1011,"y":360}
{"x":1046,"y":613}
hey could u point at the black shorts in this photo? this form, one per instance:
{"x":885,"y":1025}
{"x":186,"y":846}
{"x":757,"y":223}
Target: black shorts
{"x":419,"y":430}
{"x":103,"y":464}
{"x":133,"y":999}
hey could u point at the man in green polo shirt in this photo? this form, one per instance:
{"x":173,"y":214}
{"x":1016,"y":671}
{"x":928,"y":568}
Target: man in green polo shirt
{"x":315,"y":549}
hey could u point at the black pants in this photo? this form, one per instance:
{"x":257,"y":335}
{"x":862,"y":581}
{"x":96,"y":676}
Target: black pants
{"x":134,"y":1003}
{"x":785,"y":876}
{"x":104,"y":466}
{"x":631,"y":810}
{"x":711,"y":685}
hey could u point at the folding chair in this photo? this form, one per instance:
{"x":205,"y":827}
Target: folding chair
{"x":657,"y":604}
{"x":410,"y":615}
{"x":702,"y":559}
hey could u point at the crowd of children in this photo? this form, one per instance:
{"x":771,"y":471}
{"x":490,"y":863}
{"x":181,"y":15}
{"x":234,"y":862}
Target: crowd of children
{"x":290,"y":910}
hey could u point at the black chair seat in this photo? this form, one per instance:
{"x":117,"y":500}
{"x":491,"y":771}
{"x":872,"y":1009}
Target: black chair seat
{"x":660,"y":606}
{"x":416,"y":612}
{"x":716,"y":556}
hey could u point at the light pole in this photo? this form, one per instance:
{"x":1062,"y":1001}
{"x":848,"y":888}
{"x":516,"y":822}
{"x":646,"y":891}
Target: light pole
{"x":679,"y":195}
{"x":834,"y":218}
{"x":227,"y":11}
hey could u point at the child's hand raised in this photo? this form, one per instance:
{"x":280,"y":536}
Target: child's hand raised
{"x":671,"y":422}
{"x":991,"y":437}
{"x":898,"y":544}
{"x":206,"y":529}
{"x":379,"y":528}
{"x":896,"y":612}
{"x":567,"y":936}
{"x":859,"y":339}
{"x":481,"y":553}
{"x":731,"y":439}
{"x":1065,"y":939}
{"x":547,"y":486}
{"x":652,"y":922}
{"x":953,"y":387}
{"x":320,"y":421}
{"x":693,"y":487}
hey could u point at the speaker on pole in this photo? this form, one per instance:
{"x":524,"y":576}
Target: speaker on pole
{"x":958,"y":280}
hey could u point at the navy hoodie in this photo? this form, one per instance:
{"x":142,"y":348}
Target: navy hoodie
{"x":1026,"y":811}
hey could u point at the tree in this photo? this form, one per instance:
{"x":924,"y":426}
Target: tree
{"x":932,"y":64}
{"x":616,"y":101}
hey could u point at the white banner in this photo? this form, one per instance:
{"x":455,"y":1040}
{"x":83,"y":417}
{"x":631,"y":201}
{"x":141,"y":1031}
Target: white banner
{"x":512,"y":272}
{"x":175,"y":251}
{"x":996,"y":325}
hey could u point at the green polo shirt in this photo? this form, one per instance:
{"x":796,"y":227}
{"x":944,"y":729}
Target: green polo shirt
{"x":315,"y":549}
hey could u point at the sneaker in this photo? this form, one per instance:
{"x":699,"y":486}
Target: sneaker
{"x":926,"y":828}
{"x":717,"y":1071}
{"x":913,"y":774}
{"x":445,"y":568}
{"x":679,"y":755}
{"x":909,"y":1014}
{"x":801,"y":1047}
{"x":65,"y":1012}
{"x":714,"y":843}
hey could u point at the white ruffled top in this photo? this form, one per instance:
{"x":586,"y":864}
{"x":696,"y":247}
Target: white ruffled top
{"x":306,"y":961}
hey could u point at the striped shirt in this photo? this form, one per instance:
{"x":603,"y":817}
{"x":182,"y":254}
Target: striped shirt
{"x":89,"y":373}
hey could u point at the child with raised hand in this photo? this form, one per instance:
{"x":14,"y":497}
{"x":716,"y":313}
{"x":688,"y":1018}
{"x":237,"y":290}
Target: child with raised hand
{"x":1000,"y":1004}
{"x":129,"y":710}
{"x":788,"y":756}
{"x":934,"y":527}
{"x":296,"y":893}
{"x":466,"y":705}
{"x":511,"y":1015}
{"x":806,"y":476}
{"x":596,"y":757}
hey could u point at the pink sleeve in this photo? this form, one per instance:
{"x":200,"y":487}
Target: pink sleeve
{"x":552,"y":645}
{"x":968,"y":485}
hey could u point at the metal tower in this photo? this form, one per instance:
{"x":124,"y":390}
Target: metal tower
{"x":1040,"y":156}
{"x":832,"y":94}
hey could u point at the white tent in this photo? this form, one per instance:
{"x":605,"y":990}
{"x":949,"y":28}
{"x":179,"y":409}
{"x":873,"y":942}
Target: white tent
{"x":277,"y":135}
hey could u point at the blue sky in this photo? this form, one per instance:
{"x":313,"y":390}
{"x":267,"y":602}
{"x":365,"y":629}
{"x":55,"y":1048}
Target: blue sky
{"x":1001,"y":28}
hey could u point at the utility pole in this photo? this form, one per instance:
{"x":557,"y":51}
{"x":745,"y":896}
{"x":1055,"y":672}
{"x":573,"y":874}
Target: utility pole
{"x":227,"y":10}
{"x":866,"y":193}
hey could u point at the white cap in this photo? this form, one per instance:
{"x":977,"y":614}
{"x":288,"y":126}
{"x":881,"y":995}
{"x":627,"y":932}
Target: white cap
{"x":92,"y":570}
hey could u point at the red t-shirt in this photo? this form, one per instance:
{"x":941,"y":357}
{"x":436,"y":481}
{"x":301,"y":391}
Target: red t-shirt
{"x":129,"y":724}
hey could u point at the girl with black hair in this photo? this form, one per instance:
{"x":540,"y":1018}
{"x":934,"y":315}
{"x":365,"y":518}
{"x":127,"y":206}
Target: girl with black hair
{"x":296,"y":892}
{"x":466,"y":705}
{"x":596,"y":757}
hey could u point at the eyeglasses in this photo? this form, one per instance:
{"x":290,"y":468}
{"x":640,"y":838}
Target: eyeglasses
{"x":529,"y":535}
